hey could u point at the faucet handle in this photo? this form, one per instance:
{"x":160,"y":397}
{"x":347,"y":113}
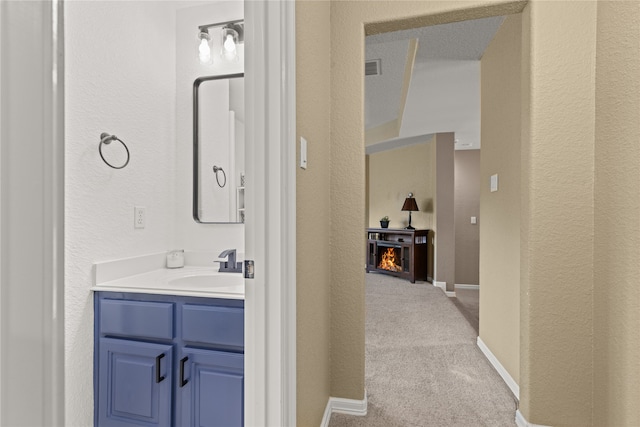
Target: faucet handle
{"x":229,"y":266}
{"x":227,"y":253}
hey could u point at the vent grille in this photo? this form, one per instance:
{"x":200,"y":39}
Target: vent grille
{"x":372,"y":67}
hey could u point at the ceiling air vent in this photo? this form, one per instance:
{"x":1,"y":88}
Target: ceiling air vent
{"x":372,"y":67}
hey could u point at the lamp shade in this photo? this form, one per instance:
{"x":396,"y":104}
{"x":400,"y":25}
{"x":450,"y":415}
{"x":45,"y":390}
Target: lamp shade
{"x":410,"y":204}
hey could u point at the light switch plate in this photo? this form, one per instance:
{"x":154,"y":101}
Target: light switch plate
{"x":474,"y":220}
{"x":303,"y":153}
{"x":494,"y":183}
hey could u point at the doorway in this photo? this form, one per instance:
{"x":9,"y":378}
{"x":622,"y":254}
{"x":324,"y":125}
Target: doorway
{"x":34,"y":346}
{"x":464,"y":191}
{"x":348,"y":144}
{"x":441,"y":91}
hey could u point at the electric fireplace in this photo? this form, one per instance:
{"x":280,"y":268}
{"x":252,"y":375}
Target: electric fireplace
{"x":402,"y":253}
{"x":390,"y":258}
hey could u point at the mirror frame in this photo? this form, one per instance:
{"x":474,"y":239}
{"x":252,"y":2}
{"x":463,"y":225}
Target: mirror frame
{"x":196,"y":137}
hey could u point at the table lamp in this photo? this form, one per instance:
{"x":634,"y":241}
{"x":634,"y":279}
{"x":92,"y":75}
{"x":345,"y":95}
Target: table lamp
{"x":410,"y":205}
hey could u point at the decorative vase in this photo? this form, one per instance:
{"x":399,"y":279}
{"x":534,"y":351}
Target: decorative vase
{"x":384,"y":224}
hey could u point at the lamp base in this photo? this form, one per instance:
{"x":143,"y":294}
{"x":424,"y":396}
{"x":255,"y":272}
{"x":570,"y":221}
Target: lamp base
{"x":409,"y":227}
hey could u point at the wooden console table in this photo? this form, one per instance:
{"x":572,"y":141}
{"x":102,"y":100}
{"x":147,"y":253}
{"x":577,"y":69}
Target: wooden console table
{"x":408,"y":248}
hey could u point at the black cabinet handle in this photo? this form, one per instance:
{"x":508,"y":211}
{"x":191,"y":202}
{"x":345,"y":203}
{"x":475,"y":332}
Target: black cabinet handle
{"x":183,"y":382}
{"x":158,"y":376}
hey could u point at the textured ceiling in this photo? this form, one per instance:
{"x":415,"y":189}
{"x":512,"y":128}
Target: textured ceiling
{"x":383,"y":92}
{"x":456,"y":41}
{"x":437,"y":44}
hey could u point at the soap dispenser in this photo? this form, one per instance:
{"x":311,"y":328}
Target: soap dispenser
{"x":175,"y":258}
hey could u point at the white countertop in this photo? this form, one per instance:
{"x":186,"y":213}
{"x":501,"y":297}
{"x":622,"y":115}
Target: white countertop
{"x":196,"y":281}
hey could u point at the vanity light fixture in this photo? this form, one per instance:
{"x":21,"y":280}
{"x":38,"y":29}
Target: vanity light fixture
{"x":229,"y":42}
{"x":232,"y":34}
{"x":204,"y":50}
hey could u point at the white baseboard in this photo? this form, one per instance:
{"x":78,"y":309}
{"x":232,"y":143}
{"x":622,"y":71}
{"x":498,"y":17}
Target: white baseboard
{"x":339,"y":405}
{"x":443,"y":286}
{"x":508,"y":379}
{"x":327,"y":415}
{"x":522,"y":422}
{"x":463,"y":286}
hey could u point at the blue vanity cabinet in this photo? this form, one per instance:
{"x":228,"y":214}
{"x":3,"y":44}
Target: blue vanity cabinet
{"x":135,"y":383}
{"x":211,"y":381}
{"x":212,"y":386}
{"x":134,"y":361}
{"x":163,"y":360}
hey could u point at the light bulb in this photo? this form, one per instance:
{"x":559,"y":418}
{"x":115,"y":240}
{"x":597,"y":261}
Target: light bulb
{"x":204,"y":51}
{"x":229,"y":44}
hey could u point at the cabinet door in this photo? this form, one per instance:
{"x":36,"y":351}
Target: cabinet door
{"x":372,"y":260}
{"x":134,"y":383}
{"x":211,"y":388}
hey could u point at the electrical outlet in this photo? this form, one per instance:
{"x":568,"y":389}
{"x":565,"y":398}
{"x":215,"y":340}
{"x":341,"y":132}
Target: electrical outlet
{"x":139,"y":217}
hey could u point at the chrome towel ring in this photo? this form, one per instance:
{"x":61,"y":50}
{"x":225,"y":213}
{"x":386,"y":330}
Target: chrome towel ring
{"x":217,"y":169}
{"x":106,"y":139}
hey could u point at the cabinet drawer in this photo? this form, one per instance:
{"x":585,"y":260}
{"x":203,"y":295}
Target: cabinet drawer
{"x":136,"y":318}
{"x":213,"y":325}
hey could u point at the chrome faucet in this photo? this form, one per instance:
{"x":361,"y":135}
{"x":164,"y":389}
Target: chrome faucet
{"x":229,"y":266}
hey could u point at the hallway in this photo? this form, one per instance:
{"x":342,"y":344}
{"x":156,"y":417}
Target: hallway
{"x":468,"y":302}
{"x":423,"y":367}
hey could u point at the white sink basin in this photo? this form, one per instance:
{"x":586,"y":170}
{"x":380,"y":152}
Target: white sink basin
{"x":208,"y":281}
{"x":196,"y":281}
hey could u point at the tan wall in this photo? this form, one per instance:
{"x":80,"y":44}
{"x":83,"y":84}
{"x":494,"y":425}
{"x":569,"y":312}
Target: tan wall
{"x":500,"y":211}
{"x":313,"y":212}
{"x":557,"y":211}
{"x":557,"y":265}
{"x":392,"y":175}
{"x":445,"y":245}
{"x":617,"y":216}
{"x":466,"y":205}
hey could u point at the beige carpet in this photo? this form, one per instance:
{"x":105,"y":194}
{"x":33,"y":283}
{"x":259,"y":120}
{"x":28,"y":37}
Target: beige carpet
{"x":423,"y":367}
{"x":468,"y":302}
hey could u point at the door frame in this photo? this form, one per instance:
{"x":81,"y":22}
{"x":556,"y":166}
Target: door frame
{"x":32,"y":213}
{"x":270,"y":327}
{"x":270,"y":239}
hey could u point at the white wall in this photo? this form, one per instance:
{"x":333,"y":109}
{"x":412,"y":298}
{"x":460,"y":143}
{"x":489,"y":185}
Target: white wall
{"x":202,"y":237}
{"x":120,"y":79}
{"x":456,"y":87}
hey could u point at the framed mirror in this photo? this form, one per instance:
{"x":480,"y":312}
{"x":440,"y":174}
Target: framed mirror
{"x":218,"y":149}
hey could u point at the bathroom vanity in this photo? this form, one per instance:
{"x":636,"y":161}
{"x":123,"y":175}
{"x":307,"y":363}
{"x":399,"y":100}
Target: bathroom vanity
{"x":171,"y":351}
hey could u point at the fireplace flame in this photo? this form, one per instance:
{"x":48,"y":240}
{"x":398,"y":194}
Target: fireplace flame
{"x":388,"y":261}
